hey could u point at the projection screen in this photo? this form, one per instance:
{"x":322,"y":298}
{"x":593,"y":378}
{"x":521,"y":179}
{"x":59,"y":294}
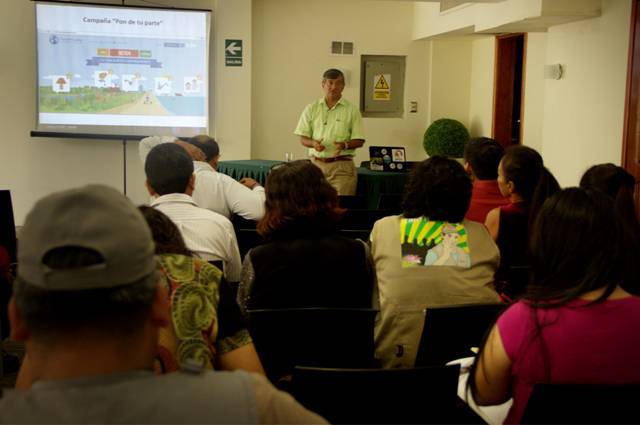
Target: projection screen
{"x":110,"y":70}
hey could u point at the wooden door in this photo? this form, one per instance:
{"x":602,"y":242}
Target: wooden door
{"x":631,"y":143}
{"x":509,"y":89}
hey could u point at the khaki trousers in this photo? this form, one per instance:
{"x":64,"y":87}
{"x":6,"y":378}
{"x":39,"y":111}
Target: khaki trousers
{"x":341,"y":175}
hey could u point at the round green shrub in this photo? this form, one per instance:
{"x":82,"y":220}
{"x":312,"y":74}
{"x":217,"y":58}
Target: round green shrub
{"x":446,"y":137}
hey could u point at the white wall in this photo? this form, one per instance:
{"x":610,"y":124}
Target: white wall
{"x":574,"y":122}
{"x":291,"y":51}
{"x":483,"y":51}
{"x":34,"y":167}
{"x":533,"y":114}
{"x":583,"y":112}
{"x":450,"y":79}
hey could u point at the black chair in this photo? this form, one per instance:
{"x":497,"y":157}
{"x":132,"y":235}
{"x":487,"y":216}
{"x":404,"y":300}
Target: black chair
{"x":240,"y":222}
{"x":512,"y":282}
{"x":247,"y":239}
{"x":7,"y":225}
{"x":361,"y":219}
{"x":420,"y":395}
{"x":325,"y":337}
{"x":391,"y":202}
{"x":584,"y":404}
{"x":355,"y":234}
{"x":8,"y":242}
{"x":219,"y":264}
{"x":450,"y":332}
{"x":350,"y":202}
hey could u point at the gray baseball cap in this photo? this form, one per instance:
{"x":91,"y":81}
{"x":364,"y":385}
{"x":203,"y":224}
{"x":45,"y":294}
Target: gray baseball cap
{"x":96,"y":217}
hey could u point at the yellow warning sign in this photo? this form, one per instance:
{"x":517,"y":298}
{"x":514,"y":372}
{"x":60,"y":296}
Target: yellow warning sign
{"x":382,"y":87}
{"x":382,"y":83}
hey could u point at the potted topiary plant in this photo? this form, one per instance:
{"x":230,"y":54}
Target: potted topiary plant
{"x":446,"y":137}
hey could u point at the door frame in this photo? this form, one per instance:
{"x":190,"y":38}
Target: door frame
{"x":630,"y":160}
{"x":496,"y":66}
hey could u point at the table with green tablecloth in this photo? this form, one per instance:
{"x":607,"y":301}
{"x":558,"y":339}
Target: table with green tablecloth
{"x":371,"y":184}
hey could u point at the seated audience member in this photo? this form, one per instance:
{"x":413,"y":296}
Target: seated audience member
{"x":574,"y":324}
{"x":217,"y":338}
{"x":88,"y":306}
{"x":305,"y":262}
{"x":524,"y":180}
{"x":620,"y":185}
{"x":10,"y":363}
{"x":429,"y":256}
{"x":481,"y":158}
{"x":208,"y":234}
{"x":215,"y":191}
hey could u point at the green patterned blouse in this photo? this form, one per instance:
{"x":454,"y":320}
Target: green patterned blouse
{"x":196,"y":333}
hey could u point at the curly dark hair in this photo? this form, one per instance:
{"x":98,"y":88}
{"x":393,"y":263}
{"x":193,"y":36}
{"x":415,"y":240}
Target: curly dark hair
{"x":438,"y":188}
{"x":166,"y":234}
{"x":297,"y":192}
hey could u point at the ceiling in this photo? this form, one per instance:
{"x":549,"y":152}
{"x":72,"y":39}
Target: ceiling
{"x":449,"y":4}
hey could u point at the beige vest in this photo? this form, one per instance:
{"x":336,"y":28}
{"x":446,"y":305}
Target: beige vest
{"x":406,"y":292}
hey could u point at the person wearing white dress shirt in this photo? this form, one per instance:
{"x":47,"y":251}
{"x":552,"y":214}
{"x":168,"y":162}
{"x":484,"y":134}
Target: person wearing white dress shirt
{"x":210,"y":235}
{"x":215,"y":191}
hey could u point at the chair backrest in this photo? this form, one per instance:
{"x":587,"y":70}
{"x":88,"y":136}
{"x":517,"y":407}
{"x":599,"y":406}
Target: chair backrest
{"x":450,"y":332}
{"x":352,"y":201}
{"x":219,"y":264}
{"x":361,"y":219}
{"x":8,"y":243}
{"x":247,"y":239}
{"x":391,"y":202}
{"x":7,"y":225}
{"x":362,"y":234}
{"x":327,"y":337}
{"x":586,"y":404}
{"x":420,"y":395}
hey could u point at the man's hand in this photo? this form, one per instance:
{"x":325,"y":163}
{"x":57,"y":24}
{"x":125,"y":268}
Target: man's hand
{"x":249,"y":182}
{"x":340,"y":146}
{"x":194,"y":152}
{"x":318,"y":146}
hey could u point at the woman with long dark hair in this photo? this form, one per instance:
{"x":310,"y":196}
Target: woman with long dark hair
{"x":305,"y":262}
{"x":524,"y":180}
{"x":575,"y":323}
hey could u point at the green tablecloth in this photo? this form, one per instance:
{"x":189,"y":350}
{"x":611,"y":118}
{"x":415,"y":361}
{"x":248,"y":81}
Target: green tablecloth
{"x":370,"y":183}
{"x":257,"y":169}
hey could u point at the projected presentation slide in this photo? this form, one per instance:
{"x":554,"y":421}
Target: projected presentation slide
{"x":104,"y":68}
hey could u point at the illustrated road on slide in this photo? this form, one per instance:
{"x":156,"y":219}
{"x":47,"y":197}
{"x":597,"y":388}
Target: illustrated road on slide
{"x":148,"y":104}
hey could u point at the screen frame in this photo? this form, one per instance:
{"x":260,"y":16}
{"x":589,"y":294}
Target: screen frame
{"x":120,"y":136}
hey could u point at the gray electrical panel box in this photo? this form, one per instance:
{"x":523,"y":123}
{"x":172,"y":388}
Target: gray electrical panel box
{"x":382,"y":86}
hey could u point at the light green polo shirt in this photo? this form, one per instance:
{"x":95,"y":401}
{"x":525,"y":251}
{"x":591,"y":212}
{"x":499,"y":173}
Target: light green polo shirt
{"x":340,"y":123}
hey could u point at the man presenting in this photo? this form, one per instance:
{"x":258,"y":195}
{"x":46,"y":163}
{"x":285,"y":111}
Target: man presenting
{"x":331,"y":127}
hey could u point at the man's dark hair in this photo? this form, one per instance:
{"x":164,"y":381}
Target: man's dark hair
{"x":484,"y":155}
{"x":207,"y":144}
{"x":332,"y":74}
{"x":116,"y":311}
{"x":439,"y":189}
{"x":169,"y":168}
